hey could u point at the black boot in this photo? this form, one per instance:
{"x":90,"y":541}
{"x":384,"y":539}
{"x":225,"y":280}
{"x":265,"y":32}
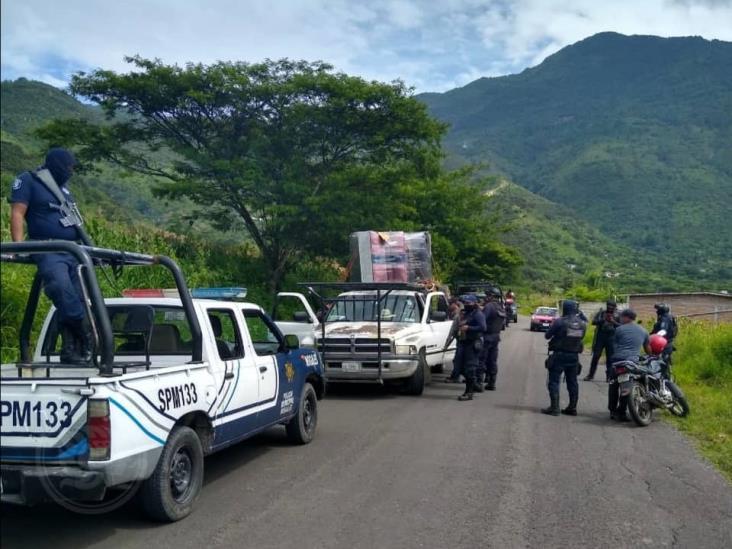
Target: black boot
{"x":491,"y":385}
{"x":479,"y":384}
{"x":553,"y":409}
{"x":466,"y":396}
{"x":84,"y":341}
{"x":69,"y":351}
{"x":571,"y":410}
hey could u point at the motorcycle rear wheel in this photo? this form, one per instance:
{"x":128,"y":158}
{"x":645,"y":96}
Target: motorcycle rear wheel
{"x":639,"y":407}
{"x":680,"y":407}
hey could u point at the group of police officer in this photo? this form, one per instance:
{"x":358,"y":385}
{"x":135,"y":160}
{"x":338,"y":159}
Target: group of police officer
{"x":41,"y":199}
{"x":477,"y":325}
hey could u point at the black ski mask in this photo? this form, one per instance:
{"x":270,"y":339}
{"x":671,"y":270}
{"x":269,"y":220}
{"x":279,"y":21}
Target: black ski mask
{"x":60,"y":163}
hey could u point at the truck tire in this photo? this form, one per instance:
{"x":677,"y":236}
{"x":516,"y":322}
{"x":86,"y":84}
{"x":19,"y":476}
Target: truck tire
{"x":170,"y":492}
{"x":414,"y":384}
{"x":301,"y":428}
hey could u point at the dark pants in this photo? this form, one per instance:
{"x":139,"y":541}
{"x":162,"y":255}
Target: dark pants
{"x":469,"y":352}
{"x":602,"y":343}
{"x":489,"y":356}
{"x":616,"y":404}
{"x":567,"y":364}
{"x":457,"y":364}
{"x":61,"y":284}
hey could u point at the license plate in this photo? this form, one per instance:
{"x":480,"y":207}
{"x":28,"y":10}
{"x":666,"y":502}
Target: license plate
{"x":545,"y":324}
{"x":351,"y":366}
{"x":623,"y":378}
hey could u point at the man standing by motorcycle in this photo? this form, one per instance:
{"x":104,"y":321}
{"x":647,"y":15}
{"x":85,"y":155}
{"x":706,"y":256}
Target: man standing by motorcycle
{"x":565,"y":343}
{"x":605,"y":322}
{"x":627,"y":343}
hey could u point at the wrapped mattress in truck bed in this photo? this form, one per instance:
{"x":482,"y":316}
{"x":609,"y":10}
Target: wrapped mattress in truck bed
{"x":393,"y":256}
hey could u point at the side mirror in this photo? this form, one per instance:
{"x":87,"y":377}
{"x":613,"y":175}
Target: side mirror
{"x":291,"y":342}
{"x":438,"y":316}
{"x":300,"y":316}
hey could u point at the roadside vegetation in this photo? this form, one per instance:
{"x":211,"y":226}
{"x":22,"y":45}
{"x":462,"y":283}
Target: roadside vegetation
{"x":703,"y":369}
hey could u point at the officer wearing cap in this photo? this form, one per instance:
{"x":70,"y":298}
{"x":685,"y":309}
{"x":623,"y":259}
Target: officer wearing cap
{"x":43,"y":201}
{"x":470,"y":343}
{"x":495,"y":316}
{"x":565,"y":343}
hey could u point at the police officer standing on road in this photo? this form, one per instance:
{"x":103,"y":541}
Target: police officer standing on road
{"x":470,"y":343}
{"x":495,"y":316}
{"x":565,"y":342}
{"x":42,"y":199}
{"x":605,"y":322}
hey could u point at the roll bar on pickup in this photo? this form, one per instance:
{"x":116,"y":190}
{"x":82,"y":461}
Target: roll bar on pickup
{"x":88,"y":256}
{"x":382,"y":289}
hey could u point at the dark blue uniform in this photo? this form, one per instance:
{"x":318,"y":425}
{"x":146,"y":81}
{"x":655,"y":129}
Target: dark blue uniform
{"x":58,"y":271}
{"x":469,"y":347}
{"x":488,"y":368}
{"x":565,"y":336}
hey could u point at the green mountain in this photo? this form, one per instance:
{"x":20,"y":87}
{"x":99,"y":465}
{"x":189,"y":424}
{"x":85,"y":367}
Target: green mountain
{"x":631,"y":133}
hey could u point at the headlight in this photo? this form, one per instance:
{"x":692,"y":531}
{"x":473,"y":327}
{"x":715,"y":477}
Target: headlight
{"x":406,"y":349}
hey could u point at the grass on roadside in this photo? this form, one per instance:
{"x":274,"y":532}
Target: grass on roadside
{"x":703,"y":370}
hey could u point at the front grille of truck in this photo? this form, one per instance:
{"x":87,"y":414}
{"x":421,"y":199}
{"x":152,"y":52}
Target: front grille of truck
{"x":346,"y":345}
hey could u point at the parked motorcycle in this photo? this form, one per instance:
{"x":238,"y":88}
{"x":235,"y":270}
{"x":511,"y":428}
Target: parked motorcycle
{"x":647,"y":385}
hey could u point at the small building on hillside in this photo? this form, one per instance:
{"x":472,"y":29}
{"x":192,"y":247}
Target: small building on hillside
{"x":711,"y":306}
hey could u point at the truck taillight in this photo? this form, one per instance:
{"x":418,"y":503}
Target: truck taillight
{"x":100,"y":434}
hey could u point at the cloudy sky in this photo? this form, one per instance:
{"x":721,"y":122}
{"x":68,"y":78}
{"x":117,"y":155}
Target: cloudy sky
{"x":432,"y":45}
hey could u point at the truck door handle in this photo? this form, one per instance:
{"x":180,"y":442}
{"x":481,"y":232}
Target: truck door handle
{"x":229,"y":375}
{"x":262,"y":369}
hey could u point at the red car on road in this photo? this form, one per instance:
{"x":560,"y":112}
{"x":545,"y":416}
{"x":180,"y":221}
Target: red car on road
{"x":543,"y":318}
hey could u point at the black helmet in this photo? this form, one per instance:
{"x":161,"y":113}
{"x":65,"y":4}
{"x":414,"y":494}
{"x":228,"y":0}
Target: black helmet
{"x":662,"y":308}
{"x":494,"y":292}
{"x":611,"y":304}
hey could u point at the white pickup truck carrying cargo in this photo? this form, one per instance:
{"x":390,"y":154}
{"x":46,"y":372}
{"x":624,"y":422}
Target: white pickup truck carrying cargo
{"x":173,"y":379}
{"x":373,"y":332}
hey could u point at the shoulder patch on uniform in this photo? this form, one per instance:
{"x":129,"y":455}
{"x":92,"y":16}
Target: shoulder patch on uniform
{"x":17,"y":184}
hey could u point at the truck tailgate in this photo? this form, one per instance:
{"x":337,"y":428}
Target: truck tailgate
{"x":43,"y":421}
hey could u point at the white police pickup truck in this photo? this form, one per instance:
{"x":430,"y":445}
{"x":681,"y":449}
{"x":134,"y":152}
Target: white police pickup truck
{"x":174,"y":379}
{"x":392,"y":333}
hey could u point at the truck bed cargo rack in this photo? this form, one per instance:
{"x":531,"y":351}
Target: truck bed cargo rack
{"x":88,"y":257}
{"x":383,"y":290}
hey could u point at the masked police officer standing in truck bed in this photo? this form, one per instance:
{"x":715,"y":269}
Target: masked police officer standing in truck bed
{"x":42,"y":199}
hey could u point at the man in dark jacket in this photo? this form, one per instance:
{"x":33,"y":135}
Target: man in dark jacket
{"x":605,"y":322}
{"x":495,"y":316}
{"x":665,"y":322}
{"x":43,"y":201}
{"x":565,"y":343}
{"x":470,"y":343}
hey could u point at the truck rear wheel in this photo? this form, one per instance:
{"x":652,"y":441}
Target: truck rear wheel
{"x":169,"y":494}
{"x":301,"y":428}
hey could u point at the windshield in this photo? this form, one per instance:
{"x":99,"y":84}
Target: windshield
{"x":363,"y":308}
{"x":546,"y":311}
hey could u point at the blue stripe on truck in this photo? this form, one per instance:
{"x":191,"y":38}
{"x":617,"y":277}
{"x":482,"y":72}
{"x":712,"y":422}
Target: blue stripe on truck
{"x":134,"y":419}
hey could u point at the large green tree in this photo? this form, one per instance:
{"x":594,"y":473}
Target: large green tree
{"x":301,"y":153}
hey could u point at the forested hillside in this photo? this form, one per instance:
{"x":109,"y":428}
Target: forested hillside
{"x":631,"y":133}
{"x":557,"y":248}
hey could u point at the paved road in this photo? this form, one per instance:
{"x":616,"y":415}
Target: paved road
{"x":392,"y":471}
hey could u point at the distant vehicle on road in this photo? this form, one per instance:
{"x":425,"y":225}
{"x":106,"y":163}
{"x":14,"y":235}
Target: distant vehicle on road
{"x":543,"y":318}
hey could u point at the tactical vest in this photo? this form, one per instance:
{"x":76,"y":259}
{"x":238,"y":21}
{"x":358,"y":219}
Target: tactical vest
{"x":570,"y":341}
{"x":496,"y":323}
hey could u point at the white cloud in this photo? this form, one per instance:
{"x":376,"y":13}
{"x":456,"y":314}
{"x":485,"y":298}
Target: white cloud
{"x":432,"y":45}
